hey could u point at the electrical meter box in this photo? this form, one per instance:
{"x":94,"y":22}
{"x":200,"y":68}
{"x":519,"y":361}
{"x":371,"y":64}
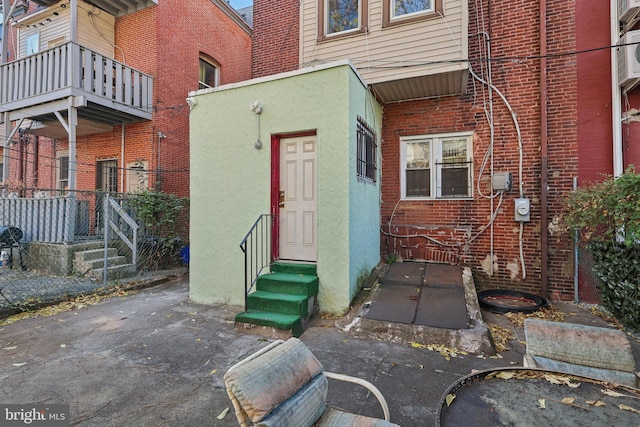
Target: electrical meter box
{"x":522,"y":210}
{"x":501,"y":181}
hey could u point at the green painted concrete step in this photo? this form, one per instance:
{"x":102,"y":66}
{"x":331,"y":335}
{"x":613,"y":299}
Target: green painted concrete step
{"x":294,"y":268}
{"x":278,"y":303}
{"x":288,"y":283}
{"x":275,"y":320}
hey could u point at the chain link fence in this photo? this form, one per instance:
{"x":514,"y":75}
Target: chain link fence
{"x":588,"y":281}
{"x":56,"y":246}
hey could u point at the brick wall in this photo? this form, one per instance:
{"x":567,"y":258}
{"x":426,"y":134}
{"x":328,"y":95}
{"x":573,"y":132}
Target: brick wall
{"x":164,"y":41}
{"x":459,"y":231}
{"x":276,"y":36}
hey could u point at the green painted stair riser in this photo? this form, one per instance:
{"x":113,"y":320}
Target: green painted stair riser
{"x":275,"y":320}
{"x":283,"y":267}
{"x":287,"y":283}
{"x":278,"y":303}
{"x":281,"y":298}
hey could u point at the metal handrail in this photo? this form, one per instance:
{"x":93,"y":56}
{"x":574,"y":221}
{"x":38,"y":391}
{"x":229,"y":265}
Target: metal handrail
{"x":257,"y":250}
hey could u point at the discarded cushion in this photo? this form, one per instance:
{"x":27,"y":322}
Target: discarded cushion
{"x":261,"y":384}
{"x":591,"y":351}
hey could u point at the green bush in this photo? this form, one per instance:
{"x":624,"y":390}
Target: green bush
{"x":607,"y":217}
{"x":158,"y":213}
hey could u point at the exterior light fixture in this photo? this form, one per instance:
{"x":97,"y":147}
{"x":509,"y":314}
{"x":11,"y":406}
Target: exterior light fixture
{"x":256,"y":108}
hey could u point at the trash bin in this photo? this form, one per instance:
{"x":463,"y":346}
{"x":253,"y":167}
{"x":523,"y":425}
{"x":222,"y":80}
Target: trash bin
{"x":10,"y":238}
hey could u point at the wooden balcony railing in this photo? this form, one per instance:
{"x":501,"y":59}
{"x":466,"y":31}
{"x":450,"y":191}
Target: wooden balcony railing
{"x":71,"y":69}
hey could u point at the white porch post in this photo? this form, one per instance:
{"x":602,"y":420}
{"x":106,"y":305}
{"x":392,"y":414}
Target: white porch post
{"x":6,"y":151}
{"x":74,"y":21}
{"x":73,"y":123}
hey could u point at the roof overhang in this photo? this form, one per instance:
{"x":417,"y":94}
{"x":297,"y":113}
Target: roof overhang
{"x":422,"y":87}
{"x":115,"y":7}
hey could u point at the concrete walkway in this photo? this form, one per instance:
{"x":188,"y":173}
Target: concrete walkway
{"x":153,"y":358}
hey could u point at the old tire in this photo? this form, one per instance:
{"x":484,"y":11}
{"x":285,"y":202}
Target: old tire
{"x":506,"y":301}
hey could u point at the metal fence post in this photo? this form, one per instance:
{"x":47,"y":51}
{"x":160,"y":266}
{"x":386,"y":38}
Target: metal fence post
{"x":105,"y":222}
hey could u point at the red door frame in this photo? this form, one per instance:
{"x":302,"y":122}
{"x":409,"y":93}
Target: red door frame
{"x":275,"y":185}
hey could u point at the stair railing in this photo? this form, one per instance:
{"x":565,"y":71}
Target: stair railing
{"x":257,"y":250}
{"x":126,"y":228}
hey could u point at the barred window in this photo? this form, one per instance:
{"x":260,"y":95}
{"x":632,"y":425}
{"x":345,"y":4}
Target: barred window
{"x":107,"y":175}
{"x":366,"y":165}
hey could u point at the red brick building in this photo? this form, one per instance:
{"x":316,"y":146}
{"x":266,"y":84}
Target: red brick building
{"x":474,"y":93}
{"x":124,"y":141}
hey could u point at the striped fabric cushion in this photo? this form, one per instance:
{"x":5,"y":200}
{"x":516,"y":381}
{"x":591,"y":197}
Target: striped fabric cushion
{"x":262,"y":384}
{"x":303,"y":408}
{"x":336,"y":418}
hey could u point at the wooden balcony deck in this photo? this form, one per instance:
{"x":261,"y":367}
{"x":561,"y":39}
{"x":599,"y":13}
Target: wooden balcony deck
{"x":102,"y":88}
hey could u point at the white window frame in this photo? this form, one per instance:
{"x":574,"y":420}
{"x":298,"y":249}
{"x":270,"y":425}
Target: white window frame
{"x":350,"y":30}
{"x":59,"y":180}
{"x":216,"y":69}
{"x":136,"y":172}
{"x":32,"y":44}
{"x":435,"y":157}
{"x":392,"y":8}
{"x":58,"y":41}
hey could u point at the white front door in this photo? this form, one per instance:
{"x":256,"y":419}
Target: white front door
{"x":298,"y":194}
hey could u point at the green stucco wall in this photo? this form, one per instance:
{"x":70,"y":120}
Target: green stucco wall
{"x":231,"y":179}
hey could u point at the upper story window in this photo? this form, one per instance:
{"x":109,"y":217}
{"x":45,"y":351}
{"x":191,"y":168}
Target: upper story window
{"x":339,"y":17}
{"x":33,"y":43}
{"x":209,"y":74}
{"x":409,"y":7}
{"x":401,"y":11}
{"x":436,"y":166}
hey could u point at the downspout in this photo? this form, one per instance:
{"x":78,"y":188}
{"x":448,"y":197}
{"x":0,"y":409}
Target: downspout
{"x":543,"y":151}
{"x":122,"y":169}
{"x":616,"y":97}
{"x":36,"y":160}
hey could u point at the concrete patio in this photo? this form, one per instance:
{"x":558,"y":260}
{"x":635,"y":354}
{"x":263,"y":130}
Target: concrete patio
{"x":152,"y":358}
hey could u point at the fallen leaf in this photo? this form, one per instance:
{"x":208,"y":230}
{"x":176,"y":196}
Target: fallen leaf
{"x":568,"y":400}
{"x":612,"y":393}
{"x":19,"y":364}
{"x":560,"y":380}
{"x":505,"y":375}
{"x":11,"y":348}
{"x":596,"y":403}
{"x":449,"y":399}
{"x":628,"y":408}
{"x":417,"y":345}
{"x":213,"y":371}
{"x":223,"y":413}
{"x":542,"y":403}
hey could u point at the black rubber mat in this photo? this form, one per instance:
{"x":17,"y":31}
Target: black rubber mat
{"x":442,"y":275}
{"x":421,"y":294}
{"x":404,"y":273}
{"x":442,"y":308}
{"x":395,"y":303}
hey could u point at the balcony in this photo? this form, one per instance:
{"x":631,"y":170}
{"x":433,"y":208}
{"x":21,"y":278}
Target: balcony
{"x":105,"y":92}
